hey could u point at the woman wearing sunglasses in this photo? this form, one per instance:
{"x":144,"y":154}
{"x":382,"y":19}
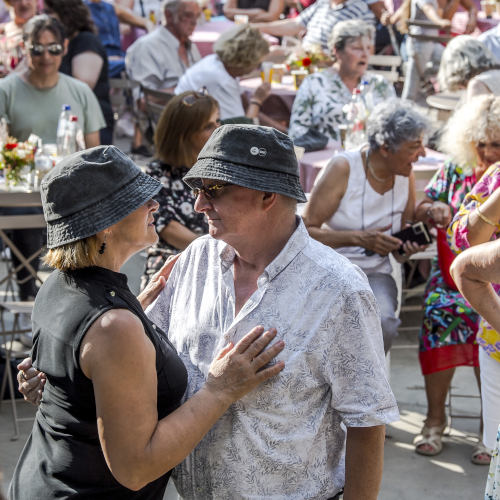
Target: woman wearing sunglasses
{"x":185,"y":125}
{"x":31,"y":100}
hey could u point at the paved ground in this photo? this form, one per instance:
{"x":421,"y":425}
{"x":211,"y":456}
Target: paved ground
{"x":407,"y":476}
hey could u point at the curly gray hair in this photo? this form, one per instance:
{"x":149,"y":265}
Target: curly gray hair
{"x":241,"y":47}
{"x":463,"y":58}
{"x":393,"y":122}
{"x":347,"y":31}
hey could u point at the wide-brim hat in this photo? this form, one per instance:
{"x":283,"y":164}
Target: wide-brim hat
{"x":252,"y":156}
{"x":91,"y":190}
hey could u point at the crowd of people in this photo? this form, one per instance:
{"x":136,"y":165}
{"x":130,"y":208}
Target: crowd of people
{"x":206,"y":392}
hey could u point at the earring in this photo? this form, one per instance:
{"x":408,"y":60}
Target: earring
{"x":103,"y":246}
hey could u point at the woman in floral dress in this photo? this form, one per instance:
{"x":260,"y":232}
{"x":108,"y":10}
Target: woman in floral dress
{"x":185,"y":125}
{"x":447,"y":337}
{"x":322,"y":95}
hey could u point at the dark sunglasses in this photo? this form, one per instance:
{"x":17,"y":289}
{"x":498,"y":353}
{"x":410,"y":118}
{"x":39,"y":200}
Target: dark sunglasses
{"x":37,"y":49}
{"x":190,"y":99}
{"x":210,"y":192}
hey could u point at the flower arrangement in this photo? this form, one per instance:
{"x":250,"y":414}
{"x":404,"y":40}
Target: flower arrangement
{"x":308,"y":59}
{"x":14,"y":158}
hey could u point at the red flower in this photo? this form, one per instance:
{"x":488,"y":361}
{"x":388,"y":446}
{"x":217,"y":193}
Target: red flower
{"x":306,"y":61}
{"x":11,"y":145}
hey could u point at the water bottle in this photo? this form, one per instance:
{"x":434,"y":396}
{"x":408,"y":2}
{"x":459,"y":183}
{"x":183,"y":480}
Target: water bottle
{"x":43,"y":163}
{"x":61,"y":127}
{"x":355,"y":113}
{"x":79,"y":137}
{"x":69,"y":138}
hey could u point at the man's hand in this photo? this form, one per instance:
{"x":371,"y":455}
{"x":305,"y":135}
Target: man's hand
{"x":157,"y":282}
{"x":30,"y":381}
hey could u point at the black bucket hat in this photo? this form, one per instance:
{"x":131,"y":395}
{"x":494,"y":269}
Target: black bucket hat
{"x":251,"y":156}
{"x":91,"y":190}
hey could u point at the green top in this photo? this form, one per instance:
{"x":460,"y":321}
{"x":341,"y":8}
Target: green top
{"x":31,"y":110}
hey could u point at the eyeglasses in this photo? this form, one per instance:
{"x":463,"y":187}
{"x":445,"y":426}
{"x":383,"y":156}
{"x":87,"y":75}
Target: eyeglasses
{"x":190,"y":99}
{"x":210,"y":192}
{"x":37,"y":49}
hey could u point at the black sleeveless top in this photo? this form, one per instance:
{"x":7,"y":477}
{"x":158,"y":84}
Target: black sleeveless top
{"x":62,"y":457}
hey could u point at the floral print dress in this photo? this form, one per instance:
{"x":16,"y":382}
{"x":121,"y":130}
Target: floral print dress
{"x":322,"y":96}
{"x":488,"y":338}
{"x":447,"y":336}
{"x":176,"y":204}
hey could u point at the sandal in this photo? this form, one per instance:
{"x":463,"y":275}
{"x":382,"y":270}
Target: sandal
{"x":481,"y":455}
{"x":431,"y":438}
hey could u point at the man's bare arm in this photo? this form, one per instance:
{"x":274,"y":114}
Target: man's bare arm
{"x":364,"y":462}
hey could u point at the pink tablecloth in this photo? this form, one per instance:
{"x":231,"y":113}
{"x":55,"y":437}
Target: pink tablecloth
{"x":312,"y":163}
{"x":206,"y":34}
{"x":459,"y":22}
{"x":279,"y":103}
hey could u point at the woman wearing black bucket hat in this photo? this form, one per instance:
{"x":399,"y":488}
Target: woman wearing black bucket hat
{"x":110,"y":424}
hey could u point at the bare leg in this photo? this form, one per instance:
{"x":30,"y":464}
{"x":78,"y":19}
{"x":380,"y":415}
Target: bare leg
{"x":436,"y":389}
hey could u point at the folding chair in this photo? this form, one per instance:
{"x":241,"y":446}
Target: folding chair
{"x":11,"y":349}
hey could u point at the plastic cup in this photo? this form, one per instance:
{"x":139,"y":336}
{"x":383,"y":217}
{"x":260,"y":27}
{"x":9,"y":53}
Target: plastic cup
{"x":241,"y":19}
{"x":298,"y":77}
{"x":267,"y":71}
{"x":278,"y":72}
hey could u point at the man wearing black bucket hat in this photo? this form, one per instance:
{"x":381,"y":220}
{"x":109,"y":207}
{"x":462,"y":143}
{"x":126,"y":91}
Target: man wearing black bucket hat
{"x":258,"y":265}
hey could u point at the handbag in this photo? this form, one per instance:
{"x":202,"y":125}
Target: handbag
{"x":445,"y":258}
{"x":312,"y":140}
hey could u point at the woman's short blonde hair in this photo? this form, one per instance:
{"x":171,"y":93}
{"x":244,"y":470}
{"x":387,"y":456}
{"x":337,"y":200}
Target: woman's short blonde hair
{"x":477,"y":120}
{"x":463,"y":58}
{"x":241,"y":47}
{"x":76,"y":255}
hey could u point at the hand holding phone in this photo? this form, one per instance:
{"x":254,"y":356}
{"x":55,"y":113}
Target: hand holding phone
{"x":416,"y":233}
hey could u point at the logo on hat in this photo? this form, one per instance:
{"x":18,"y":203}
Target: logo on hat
{"x":254,"y":150}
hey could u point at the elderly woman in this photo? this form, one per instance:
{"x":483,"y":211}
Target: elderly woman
{"x":86,"y":58}
{"x":447,"y":336}
{"x":364,"y":196}
{"x":237,"y":52}
{"x":322,"y":95}
{"x":469,"y":64}
{"x":185,"y":125}
{"x":478,"y":221}
{"x":92,"y":437}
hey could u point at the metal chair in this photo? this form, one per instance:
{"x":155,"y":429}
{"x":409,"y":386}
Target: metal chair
{"x":12,"y":349}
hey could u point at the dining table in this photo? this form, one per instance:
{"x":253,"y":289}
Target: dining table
{"x":278,"y":104}
{"x":12,"y":203}
{"x":207,"y":33}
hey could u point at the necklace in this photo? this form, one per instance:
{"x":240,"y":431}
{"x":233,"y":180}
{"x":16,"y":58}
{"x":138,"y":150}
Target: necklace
{"x":368,"y":253}
{"x":370,"y":169}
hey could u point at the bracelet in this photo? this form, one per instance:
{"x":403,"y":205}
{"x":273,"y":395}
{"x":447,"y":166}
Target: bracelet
{"x":257,"y":103}
{"x":486,"y":219}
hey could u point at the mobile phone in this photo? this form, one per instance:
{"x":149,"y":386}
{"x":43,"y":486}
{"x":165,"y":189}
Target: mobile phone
{"x":418,"y":233}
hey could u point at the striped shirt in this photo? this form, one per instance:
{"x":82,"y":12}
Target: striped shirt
{"x":321,"y":17}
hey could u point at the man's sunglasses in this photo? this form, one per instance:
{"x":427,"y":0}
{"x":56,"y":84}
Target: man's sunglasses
{"x":210,"y":192}
{"x":37,"y":49}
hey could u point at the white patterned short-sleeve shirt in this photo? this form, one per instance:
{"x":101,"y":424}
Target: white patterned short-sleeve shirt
{"x":321,"y":97}
{"x":285,"y":439}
